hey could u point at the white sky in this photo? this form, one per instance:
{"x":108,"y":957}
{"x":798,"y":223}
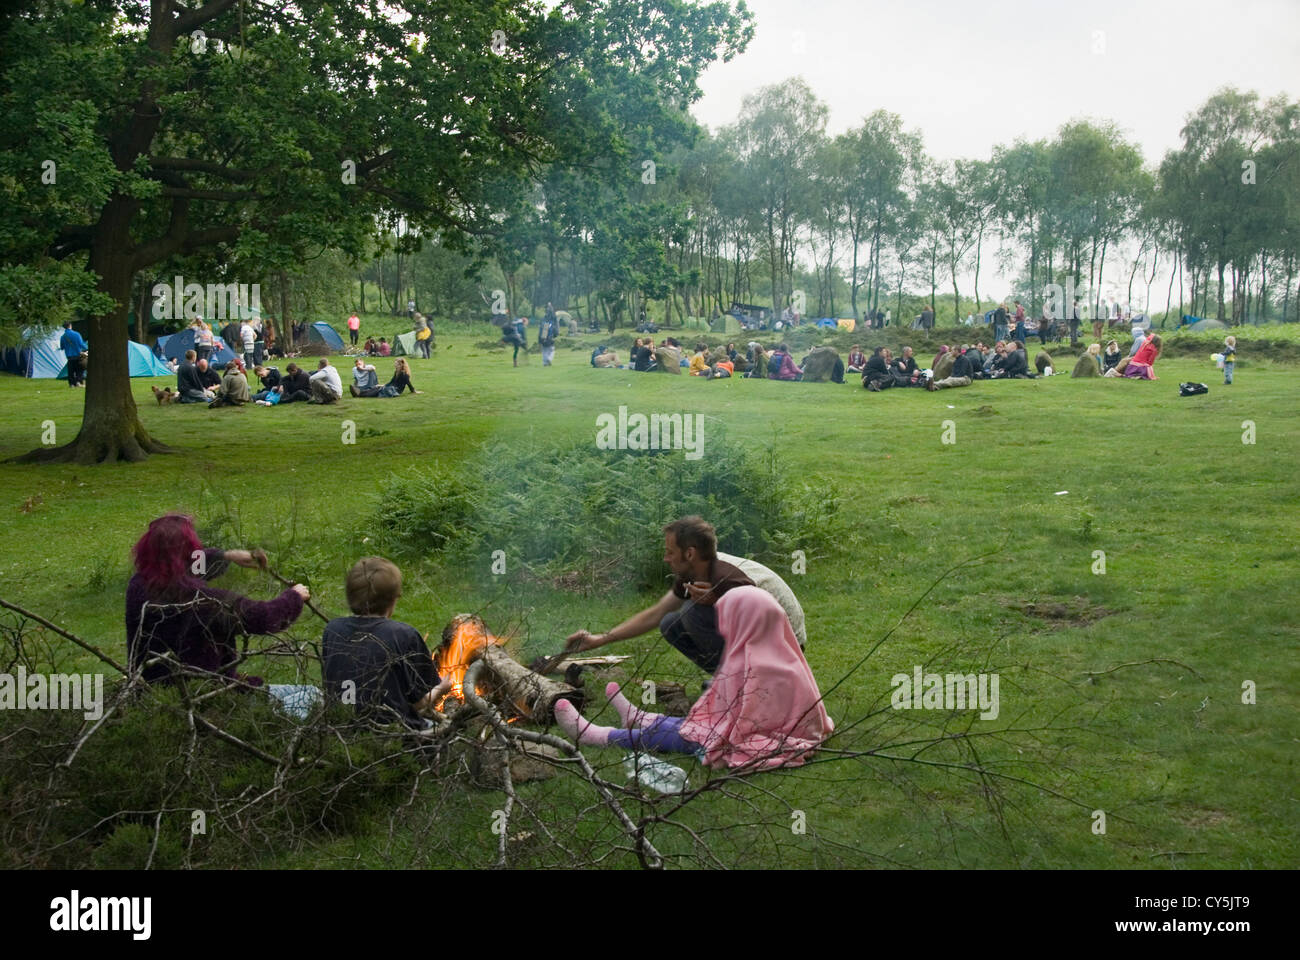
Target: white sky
{"x":971,"y":73}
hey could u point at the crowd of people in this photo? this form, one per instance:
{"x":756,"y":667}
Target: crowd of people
{"x":732,"y":617}
{"x":198,"y":382}
{"x":953,"y":365}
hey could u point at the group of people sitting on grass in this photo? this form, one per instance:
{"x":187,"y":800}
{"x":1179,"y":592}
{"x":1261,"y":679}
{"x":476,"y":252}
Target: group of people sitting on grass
{"x":197,"y":382}
{"x":760,"y":707}
{"x":382,"y":348}
{"x":1137,"y":364}
{"x":718,"y":363}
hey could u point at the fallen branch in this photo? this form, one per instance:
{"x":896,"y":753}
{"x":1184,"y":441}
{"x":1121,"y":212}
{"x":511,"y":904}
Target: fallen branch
{"x":88,"y":647}
{"x":1139,"y":663}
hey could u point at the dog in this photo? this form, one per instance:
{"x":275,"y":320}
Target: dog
{"x":164,"y":396}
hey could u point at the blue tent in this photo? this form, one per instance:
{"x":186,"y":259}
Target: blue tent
{"x":322,"y":332}
{"x":173,"y":347}
{"x":143,"y":363}
{"x":42,"y":358}
{"x":827,"y":323}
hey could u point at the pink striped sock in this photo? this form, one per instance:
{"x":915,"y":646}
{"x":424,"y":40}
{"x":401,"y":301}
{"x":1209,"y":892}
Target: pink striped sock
{"x":572,"y":722}
{"x":633,"y":717}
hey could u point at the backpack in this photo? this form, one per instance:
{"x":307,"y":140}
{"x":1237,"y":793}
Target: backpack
{"x":1192,"y":389}
{"x":774,"y":364}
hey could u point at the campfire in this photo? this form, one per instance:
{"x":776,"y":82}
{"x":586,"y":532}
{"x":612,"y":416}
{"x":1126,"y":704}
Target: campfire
{"x":515,"y":690}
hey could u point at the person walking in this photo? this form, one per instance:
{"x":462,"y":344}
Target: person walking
{"x":546,"y":336}
{"x":73,"y":346}
{"x":423,"y":334}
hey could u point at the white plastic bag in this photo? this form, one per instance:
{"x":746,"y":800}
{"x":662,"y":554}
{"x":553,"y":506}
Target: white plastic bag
{"x":658,"y":775}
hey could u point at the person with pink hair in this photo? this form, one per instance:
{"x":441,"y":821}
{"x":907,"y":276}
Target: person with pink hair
{"x":172,"y":612}
{"x":762,"y":709}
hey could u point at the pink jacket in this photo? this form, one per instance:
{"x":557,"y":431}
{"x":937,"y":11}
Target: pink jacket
{"x":763,"y":708}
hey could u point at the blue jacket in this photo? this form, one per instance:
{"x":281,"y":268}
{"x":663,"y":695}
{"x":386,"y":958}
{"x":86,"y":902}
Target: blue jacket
{"x":71,"y":343}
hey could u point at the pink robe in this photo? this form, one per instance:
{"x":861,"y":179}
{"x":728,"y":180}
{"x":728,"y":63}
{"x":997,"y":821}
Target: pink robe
{"x":763,"y":708}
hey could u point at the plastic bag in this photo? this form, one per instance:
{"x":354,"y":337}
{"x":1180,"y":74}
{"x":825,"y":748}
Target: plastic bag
{"x":656,"y":774}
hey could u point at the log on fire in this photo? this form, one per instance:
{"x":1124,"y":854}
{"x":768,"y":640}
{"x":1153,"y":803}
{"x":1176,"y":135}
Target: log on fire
{"x":531,"y":694}
{"x":506,"y":682}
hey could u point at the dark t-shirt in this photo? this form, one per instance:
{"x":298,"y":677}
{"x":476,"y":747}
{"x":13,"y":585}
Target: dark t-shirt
{"x":723,"y":576}
{"x":293,"y":382}
{"x":386,"y":659}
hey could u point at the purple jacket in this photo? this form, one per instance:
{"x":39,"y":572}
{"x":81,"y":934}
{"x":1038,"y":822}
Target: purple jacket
{"x":202,"y":634}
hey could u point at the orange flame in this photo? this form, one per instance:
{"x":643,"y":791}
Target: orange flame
{"x":462,"y":639}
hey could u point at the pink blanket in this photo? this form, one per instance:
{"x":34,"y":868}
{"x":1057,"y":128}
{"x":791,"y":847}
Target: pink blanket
{"x":763,"y":708}
{"x":1139,"y":371}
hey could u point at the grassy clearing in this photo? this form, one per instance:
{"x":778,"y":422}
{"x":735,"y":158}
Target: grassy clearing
{"x":1199,"y":532}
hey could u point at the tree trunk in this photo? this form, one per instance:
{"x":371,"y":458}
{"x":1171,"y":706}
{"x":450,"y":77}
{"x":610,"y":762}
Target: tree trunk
{"x":285,"y":323}
{"x":110,"y":424}
{"x":362,"y":278}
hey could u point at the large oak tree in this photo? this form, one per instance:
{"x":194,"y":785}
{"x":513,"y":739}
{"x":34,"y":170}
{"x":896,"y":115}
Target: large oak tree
{"x":251,"y":131}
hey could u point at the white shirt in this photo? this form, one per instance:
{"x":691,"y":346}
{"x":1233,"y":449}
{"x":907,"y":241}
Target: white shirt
{"x":331,"y":378}
{"x":246,"y":334}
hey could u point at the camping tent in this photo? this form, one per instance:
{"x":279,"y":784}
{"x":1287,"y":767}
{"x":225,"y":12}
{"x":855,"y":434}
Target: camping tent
{"x":322,"y":332}
{"x":173,"y":347}
{"x":143,"y":363}
{"x":1203,"y":326}
{"x":42,"y":358}
{"x":404,"y":344}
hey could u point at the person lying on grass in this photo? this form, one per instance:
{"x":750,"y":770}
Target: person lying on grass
{"x":380,"y":665}
{"x":171,"y":610}
{"x":762,"y":710}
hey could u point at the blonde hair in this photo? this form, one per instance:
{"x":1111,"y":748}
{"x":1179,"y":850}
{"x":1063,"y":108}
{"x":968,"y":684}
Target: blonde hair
{"x":1229,"y":341}
{"x":373,"y":586}
{"x":1094,"y":349}
{"x":402,"y":366}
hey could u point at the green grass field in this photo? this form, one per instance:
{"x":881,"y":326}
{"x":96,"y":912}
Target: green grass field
{"x":1200,"y":533}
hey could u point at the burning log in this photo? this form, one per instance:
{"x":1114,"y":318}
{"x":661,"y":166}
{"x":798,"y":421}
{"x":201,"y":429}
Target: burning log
{"x":502,"y":679}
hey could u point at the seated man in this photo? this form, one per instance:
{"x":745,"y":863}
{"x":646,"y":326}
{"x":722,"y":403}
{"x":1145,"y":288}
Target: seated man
{"x":700,"y":361}
{"x":905,"y":370}
{"x":1017,"y":362}
{"x":962,"y":371}
{"x":296,"y":385}
{"x":326,"y":387}
{"x":208,"y":375}
{"x":875,"y":375}
{"x":364,"y":378}
{"x":379,"y":665}
{"x":189,"y":387}
{"x":685,"y":614}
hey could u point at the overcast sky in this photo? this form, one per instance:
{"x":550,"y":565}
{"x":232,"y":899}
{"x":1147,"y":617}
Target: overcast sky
{"x":972,"y":74}
{"x":969,"y":75}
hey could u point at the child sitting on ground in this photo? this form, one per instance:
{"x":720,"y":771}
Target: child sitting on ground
{"x":378,"y":664}
{"x":1229,"y":358}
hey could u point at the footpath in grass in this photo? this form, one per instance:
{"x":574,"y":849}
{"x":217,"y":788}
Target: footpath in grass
{"x":1128,"y":683}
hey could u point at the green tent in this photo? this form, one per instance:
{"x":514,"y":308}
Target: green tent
{"x":404,"y":344}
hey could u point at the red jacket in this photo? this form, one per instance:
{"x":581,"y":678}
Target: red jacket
{"x":1146,"y":354}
